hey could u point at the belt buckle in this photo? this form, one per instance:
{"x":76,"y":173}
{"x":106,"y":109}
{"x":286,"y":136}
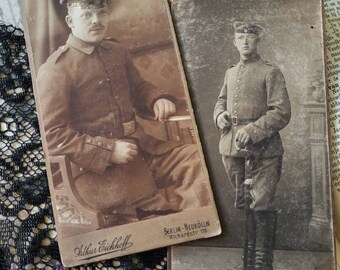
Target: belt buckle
{"x":129,"y":127}
{"x":234,"y":120}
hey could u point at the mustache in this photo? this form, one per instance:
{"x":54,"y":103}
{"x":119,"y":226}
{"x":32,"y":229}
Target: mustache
{"x":97,"y":27}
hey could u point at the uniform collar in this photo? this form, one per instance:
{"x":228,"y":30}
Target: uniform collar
{"x":251,"y":60}
{"x":84,"y":47}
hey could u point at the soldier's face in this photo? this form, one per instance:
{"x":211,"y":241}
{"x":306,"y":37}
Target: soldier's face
{"x":88,"y":24}
{"x":246,"y":44}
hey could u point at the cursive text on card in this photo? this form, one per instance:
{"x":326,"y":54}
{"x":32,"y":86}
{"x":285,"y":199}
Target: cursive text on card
{"x":104,"y":246}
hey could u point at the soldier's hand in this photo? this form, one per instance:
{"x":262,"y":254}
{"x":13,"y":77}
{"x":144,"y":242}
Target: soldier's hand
{"x":123,"y":152}
{"x":163,"y":108}
{"x":222,"y":120}
{"x":242,"y":136}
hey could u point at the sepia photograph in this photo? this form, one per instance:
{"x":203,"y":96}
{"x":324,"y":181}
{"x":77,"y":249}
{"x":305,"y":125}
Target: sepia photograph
{"x":122,"y":148}
{"x":255,"y":72}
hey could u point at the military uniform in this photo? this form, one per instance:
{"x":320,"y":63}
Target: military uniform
{"x":254,"y":93}
{"x":255,"y":101}
{"x":89,"y":95}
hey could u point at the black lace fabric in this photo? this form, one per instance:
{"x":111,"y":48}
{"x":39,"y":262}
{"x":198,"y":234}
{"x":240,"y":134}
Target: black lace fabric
{"x":28,"y":239}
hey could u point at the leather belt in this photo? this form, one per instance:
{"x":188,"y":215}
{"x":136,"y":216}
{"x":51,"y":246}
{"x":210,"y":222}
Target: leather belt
{"x":235,"y":121}
{"x":129,"y":127}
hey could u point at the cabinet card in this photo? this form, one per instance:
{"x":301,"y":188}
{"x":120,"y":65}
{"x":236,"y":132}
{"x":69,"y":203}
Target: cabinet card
{"x":255,"y":71}
{"x":124,"y":160}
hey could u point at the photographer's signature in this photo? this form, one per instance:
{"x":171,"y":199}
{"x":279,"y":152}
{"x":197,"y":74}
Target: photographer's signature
{"x":102,"y":247}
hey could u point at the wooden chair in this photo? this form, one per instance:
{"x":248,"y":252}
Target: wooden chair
{"x":65,"y":188}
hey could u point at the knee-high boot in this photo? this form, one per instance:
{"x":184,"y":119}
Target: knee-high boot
{"x":250,"y":242}
{"x":265,"y":239}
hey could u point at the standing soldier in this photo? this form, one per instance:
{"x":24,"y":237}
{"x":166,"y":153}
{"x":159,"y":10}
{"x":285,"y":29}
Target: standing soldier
{"x":253,"y":106}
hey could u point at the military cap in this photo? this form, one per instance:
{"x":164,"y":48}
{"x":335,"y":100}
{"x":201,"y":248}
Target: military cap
{"x":85,"y":3}
{"x":247,"y":28}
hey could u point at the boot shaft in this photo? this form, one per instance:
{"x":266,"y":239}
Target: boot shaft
{"x":265,"y":239}
{"x":249,"y":244}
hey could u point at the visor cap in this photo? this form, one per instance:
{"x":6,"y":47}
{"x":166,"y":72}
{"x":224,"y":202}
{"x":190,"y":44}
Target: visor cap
{"x":247,"y":28}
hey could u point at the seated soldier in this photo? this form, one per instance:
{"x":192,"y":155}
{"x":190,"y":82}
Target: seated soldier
{"x":89,"y":90}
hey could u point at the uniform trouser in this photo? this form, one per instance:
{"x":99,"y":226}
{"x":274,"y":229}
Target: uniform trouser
{"x":180,"y":180}
{"x":265,"y":176}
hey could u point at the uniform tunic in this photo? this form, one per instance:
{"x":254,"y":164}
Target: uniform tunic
{"x":88,"y":96}
{"x":254,"y":93}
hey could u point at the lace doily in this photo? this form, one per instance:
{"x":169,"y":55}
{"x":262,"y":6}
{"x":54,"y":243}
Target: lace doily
{"x":28,"y":239}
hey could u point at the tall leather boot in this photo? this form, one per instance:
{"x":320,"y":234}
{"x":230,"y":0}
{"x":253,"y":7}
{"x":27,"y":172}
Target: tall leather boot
{"x":250,"y":242}
{"x":265,"y":239}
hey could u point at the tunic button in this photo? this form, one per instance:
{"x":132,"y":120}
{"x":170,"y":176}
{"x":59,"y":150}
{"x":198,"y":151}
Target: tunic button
{"x":238,"y":80}
{"x":237,"y":88}
{"x":100,"y":82}
{"x":235,"y":103}
{"x":100,"y":143}
{"x":236,"y":96}
{"x":108,"y":79}
{"x":116,"y":96}
{"x":235,"y":112}
{"x":242,"y":66}
{"x":240,"y":73}
{"x":81,"y":169}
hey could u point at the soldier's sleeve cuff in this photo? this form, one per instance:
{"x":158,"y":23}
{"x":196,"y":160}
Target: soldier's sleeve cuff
{"x":100,"y":153}
{"x":101,"y":142}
